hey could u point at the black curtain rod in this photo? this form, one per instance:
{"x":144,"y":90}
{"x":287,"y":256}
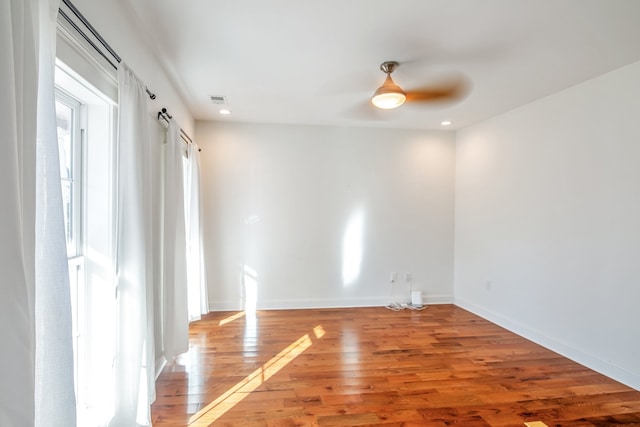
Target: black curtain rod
{"x":96,"y":34}
{"x":163,"y":114}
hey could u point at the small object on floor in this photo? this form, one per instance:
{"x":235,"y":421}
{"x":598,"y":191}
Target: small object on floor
{"x":396,"y":306}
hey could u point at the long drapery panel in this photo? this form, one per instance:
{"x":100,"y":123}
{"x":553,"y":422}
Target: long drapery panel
{"x":134,"y":362}
{"x":35,"y":319}
{"x":197,"y":284}
{"x":176,"y":318}
{"x":55,"y":403}
{"x":18,"y":86}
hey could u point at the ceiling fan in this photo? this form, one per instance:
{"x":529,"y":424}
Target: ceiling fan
{"x":390,"y":95}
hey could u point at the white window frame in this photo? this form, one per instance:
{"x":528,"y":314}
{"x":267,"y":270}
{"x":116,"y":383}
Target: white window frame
{"x":90,"y":250}
{"x":76,"y":179}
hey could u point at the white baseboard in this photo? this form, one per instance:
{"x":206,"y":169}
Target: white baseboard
{"x":322,"y":303}
{"x":161,"y":362}
{"x":618,"y":373}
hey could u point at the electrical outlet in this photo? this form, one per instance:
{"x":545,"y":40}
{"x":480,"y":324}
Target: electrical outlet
{"x":488,"y":285}
{"x":394,"y":277}
{"x":408,"y":277}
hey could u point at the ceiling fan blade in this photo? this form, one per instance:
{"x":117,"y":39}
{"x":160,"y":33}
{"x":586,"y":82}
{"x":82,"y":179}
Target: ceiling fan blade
{"x":451,"y":89}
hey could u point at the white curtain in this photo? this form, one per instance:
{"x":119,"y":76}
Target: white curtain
{"x":134,"y":362}
{"x":176,"y":318}
{"x":32,"y":250}
{"x":55,"y":401}
{"x":18,"y":100}
{"x":197,"y":284}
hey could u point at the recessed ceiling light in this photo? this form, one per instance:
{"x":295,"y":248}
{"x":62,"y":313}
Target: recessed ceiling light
{"x":225,"y":111}
{"x":445,"y":123}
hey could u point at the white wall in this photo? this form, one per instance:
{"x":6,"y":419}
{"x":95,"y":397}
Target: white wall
{"x":280,"y":200}
{"x":548,"y":212}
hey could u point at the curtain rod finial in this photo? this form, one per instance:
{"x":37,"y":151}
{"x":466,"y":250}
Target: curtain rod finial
{"x":151,"y":94}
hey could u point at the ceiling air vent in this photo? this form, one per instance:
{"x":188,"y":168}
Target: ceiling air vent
{"x":217,"y":99}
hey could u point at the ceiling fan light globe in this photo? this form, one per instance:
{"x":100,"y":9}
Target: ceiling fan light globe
{"x":389,"y":95}
{"x":387,"y":101}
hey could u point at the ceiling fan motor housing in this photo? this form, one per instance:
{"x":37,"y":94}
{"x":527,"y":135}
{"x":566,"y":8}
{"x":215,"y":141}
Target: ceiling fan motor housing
{"x":388,"y":66}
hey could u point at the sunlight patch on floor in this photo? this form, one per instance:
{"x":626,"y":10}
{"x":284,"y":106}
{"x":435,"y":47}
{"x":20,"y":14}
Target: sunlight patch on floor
{"x":231,"y":318}
{"x":238,"y":392}
{"x":319,"y":331}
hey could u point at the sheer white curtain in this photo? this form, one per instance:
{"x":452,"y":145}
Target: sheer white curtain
{"x":32,"y":249}
{"x":197,"y":284}
{"x":134,"y":363}
{"x":55,"y":402}
{"x":176,"y":318}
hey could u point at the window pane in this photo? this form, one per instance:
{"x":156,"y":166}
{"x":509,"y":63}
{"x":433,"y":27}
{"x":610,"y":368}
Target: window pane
{"x":66,"y":203}
{"x":64,"y":116}
{"x":65,"y":124}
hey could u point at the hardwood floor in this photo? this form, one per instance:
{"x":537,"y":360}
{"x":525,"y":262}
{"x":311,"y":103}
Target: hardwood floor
{"x":372,"y":366}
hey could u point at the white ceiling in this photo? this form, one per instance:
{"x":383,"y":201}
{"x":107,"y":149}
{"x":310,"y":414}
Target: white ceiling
{"x":317,"y":62}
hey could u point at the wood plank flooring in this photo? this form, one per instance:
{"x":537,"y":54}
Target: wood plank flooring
{"x":372,"y":366}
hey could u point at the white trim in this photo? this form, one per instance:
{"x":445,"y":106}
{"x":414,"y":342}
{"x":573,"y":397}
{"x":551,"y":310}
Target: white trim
{"x":161,"y":362}
{"x":73,"y":51}
{"x":320,"y":303}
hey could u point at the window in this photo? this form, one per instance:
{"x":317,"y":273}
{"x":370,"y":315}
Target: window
{"x":86,"y":129}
